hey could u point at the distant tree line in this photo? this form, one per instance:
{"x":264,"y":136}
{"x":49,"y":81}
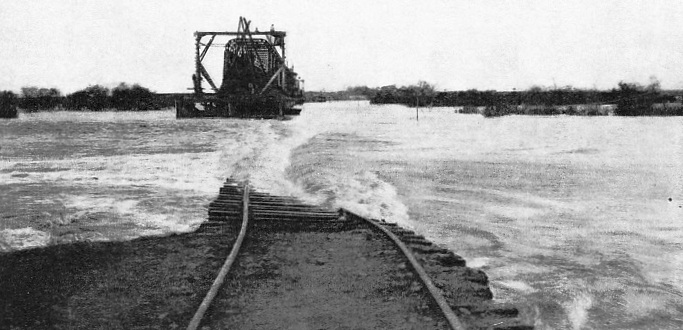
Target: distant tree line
{"x":630,"y":100}
{"x":8,"y":104}
{"x":350,"y":93}
{"x":92,"y":98}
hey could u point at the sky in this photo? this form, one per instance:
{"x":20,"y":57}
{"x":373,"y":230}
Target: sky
{"x":452,"y":44}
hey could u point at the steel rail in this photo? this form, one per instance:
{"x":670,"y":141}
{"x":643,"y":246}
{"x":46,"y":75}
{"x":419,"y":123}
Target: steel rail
{"x":218,"y":282}
{"x":453,"y":320}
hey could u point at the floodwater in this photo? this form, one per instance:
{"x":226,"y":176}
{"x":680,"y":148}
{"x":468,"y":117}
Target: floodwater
{"x":578,"y":219}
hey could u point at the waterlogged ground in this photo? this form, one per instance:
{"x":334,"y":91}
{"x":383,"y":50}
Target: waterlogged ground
{"x":577,"y":218}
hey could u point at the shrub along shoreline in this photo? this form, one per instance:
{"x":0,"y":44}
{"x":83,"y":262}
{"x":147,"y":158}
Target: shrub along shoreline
{"x":92,"y":98}
{"x":628,"y":99}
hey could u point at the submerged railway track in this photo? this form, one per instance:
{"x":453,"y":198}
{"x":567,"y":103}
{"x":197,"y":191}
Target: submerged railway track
{"x":384,"y":277}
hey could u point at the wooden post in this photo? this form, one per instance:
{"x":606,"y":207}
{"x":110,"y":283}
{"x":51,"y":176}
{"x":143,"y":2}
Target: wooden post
{"x":417,"y":108}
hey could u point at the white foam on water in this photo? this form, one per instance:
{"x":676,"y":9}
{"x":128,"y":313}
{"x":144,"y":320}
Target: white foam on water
{"x":517,"y":285}
{"x":478,"y":262}
{"x":515,"y":212}
{"x":344,"y":182}
{"x":264,"y":167}
{"x":641,"y":303}
{"x":99,"y":204}
{"x":162,"y":223}
{"x":22,"y":238}
{"x":151,"y":221}
{"x":367,"y":195}
{"x":137,"y":187}
{"x":577,"y":309}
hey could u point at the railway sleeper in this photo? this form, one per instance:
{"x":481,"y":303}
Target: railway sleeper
{"x":447,"y":260}
{"x":266,"y":198}
{"x":465,"y":274}
{"x":491,"y":309}
{"x":464,"y":294}
{"x":294,"y":219}
{"x":223,"y":199}
{"x":224,"y":218}
{"x":236,"y":208}
{"x":398,"y":231}
{"x":232,"y":188}
{"x":466,"y":290}
{"x":416,"y":241}
{"x":293,"y":214}
{"x":427,"y":249}
{"x":233,"y":194}
{"x":224,"y":191}
{"x":270,"y":207}
{"x":301,"y":226}
{"x":225,"y":210}
{"x":495,"y":323}
{"x":290,"y":208}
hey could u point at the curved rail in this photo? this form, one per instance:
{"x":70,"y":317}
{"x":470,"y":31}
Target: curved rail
{"x":197,"y":318}
{"x":453,"y":320}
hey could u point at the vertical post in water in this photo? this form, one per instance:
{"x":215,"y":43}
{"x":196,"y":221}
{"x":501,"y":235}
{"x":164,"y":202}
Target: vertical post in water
{"x":417,"y":108}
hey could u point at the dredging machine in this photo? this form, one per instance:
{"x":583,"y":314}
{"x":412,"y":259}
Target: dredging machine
{"x":257,"y":83}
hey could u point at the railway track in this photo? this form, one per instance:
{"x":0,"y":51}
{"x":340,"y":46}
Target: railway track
{"x":459,"y":295}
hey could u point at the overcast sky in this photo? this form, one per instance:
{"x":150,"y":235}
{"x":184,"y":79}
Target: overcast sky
{"x":454,"y":44}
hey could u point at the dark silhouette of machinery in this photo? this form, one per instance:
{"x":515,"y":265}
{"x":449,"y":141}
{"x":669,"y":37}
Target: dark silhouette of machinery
{"x":256,"y":80}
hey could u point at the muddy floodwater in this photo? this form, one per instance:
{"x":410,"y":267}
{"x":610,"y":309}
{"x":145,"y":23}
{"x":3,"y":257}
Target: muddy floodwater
{"x":579,"y":219}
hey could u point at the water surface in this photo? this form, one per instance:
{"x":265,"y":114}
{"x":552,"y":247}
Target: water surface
{"x":577,"y":218}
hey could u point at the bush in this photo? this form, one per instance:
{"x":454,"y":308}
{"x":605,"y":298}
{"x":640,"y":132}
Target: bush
{"x":636,"y":100}
{"x":667,"y":109}
{"x":500,"y":109}
{"x":421,"y":94}
{"x":40,"y":99}
{"x":134,"y":98}
{"x":469,"y":109}
{"x":95,"y":98}
{"x":8,"y":105}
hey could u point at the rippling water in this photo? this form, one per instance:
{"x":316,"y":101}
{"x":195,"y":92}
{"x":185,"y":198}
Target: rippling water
{"x":68,"y":176}
{"x":578,"y":218}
